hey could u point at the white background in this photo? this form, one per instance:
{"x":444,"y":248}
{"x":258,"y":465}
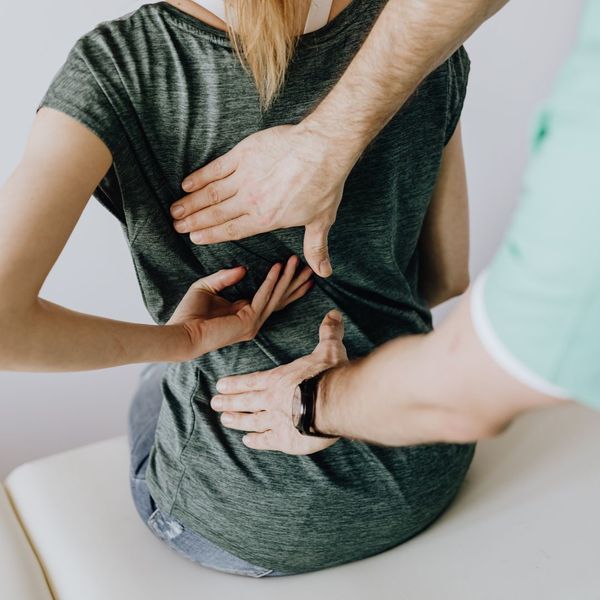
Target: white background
{"x":515,"y":58}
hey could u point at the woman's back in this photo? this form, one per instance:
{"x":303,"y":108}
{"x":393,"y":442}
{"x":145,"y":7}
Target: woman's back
{"x":167,"y":94}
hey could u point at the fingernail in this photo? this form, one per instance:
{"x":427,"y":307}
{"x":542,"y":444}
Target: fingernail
{"x":324,"y":268}
{"x":196,"y":238}
{"x":177,"y":210}
{"x":216,"y":404}
{"x":187,"y":185}
{"x":226,"y":418}
{"x":221,"y":386}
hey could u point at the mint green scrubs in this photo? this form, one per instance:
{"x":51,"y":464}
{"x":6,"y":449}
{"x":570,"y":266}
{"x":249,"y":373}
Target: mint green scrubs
{"x":537,"y":308}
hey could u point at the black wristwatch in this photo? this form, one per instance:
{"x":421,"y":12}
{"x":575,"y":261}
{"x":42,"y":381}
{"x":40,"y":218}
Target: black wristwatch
{"x":304,"y":403}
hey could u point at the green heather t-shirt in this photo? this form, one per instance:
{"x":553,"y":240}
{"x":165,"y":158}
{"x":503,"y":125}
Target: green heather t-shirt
{"x":538,"y":308}
{"x":167,"y":94}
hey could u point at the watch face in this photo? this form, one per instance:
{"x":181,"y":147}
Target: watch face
{"x":296,"y":406}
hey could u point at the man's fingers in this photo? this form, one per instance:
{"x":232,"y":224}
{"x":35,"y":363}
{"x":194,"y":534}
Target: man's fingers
{"x":210,"y":217}
{"x":315,"y":247}
{"x":213,"y":171}
{"x":332,"y":327}
{"x":237,"y":229}
{"x":256,"y":421}
{"x":237,"y":384}
{"x":217,"y":282}
{"x":259,"y":441}
{"x":246,"y":402}
{"x":212,"y":194}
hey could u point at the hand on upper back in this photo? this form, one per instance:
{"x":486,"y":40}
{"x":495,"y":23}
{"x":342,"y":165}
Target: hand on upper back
{"x":278,"y":178}
{"x":211,"y":322}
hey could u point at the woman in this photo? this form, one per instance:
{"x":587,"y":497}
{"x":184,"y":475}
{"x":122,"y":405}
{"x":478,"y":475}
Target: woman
{"x":141,"y":102}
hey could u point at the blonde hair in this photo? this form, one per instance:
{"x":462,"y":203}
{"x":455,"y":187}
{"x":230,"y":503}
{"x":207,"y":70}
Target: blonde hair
{"x":265,"y":38}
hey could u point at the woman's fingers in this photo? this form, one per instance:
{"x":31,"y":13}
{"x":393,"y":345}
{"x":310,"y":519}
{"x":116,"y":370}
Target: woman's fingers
{"x":257,"y":421}
{"x":296,"y":295}
{"x":282,"y":286}
{"x":217,"y":282}
{"x":303,"y":282}
{"x":262,"y":296}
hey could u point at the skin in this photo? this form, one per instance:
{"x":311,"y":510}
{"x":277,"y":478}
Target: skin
{"x":291,"y":176}
{"x":69,"y":161}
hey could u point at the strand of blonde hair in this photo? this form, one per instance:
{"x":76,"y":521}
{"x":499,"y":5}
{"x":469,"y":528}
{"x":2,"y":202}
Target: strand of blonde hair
{"x":265,"y":38}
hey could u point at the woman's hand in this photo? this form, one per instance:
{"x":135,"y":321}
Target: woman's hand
{"x":209,"y":321}
{"x":261,"y":402}
{"x":286,"y":176}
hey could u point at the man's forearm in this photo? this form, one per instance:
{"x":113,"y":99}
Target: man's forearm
{"x":409,"y":40}
{"x":49,"y":337}
{"x":439,"y":387}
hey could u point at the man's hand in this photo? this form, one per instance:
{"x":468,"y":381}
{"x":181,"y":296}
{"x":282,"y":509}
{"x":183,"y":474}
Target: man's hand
{"x":261,"y":402}
{"x":282,"y":177}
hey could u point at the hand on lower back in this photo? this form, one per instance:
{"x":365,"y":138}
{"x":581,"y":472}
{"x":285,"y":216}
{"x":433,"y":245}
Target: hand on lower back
{"x":277,"y":178}
{"x":209,"y":321}
{"x":261,"y":402}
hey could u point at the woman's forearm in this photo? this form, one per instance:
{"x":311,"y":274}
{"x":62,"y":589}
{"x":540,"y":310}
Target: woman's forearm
{"x":409,"y":40}
{"x":444,"y":242}
{"x":49,"y":337}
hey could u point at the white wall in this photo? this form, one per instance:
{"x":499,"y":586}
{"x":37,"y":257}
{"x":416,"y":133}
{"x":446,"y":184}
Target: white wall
{"x":514,"y":57}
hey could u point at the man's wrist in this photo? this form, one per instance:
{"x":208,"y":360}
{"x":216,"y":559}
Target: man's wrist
{"x":339,"y":147}
{"x":325,"y":403}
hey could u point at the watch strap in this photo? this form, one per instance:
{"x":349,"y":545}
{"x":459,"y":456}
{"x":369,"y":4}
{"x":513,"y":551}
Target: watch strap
{"x":308,"y":401}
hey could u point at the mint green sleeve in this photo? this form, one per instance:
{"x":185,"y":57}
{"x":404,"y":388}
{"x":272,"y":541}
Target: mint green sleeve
{"x":537,"y":307}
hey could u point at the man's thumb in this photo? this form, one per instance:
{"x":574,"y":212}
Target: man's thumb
{"x":315,"y":247}
{"x":332,"y":327}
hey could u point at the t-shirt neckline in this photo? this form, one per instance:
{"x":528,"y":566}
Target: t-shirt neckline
{"x":195,"y":25}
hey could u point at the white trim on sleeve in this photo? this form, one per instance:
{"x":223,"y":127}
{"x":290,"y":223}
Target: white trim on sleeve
{"x":499,"y":352}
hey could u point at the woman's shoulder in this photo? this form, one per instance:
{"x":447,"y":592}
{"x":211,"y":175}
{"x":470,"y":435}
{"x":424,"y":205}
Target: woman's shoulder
{"x":119,"y":36}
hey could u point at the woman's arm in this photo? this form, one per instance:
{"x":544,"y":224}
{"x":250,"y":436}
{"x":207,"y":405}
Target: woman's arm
{"x":40,"y":205}
{"x":444,"y":243}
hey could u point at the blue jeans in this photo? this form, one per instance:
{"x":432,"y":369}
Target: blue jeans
{"x":143,"y":417}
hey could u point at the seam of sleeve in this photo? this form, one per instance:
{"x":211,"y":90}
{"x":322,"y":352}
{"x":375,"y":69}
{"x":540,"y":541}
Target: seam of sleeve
{"x":500,"y":353}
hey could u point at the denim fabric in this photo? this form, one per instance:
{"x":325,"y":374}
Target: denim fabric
{"x":142,"y":420}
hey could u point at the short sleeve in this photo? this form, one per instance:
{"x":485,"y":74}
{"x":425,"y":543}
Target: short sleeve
{"x":77,"y":91}
{"x":458,"y":66}
{"x":538,"y":308}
